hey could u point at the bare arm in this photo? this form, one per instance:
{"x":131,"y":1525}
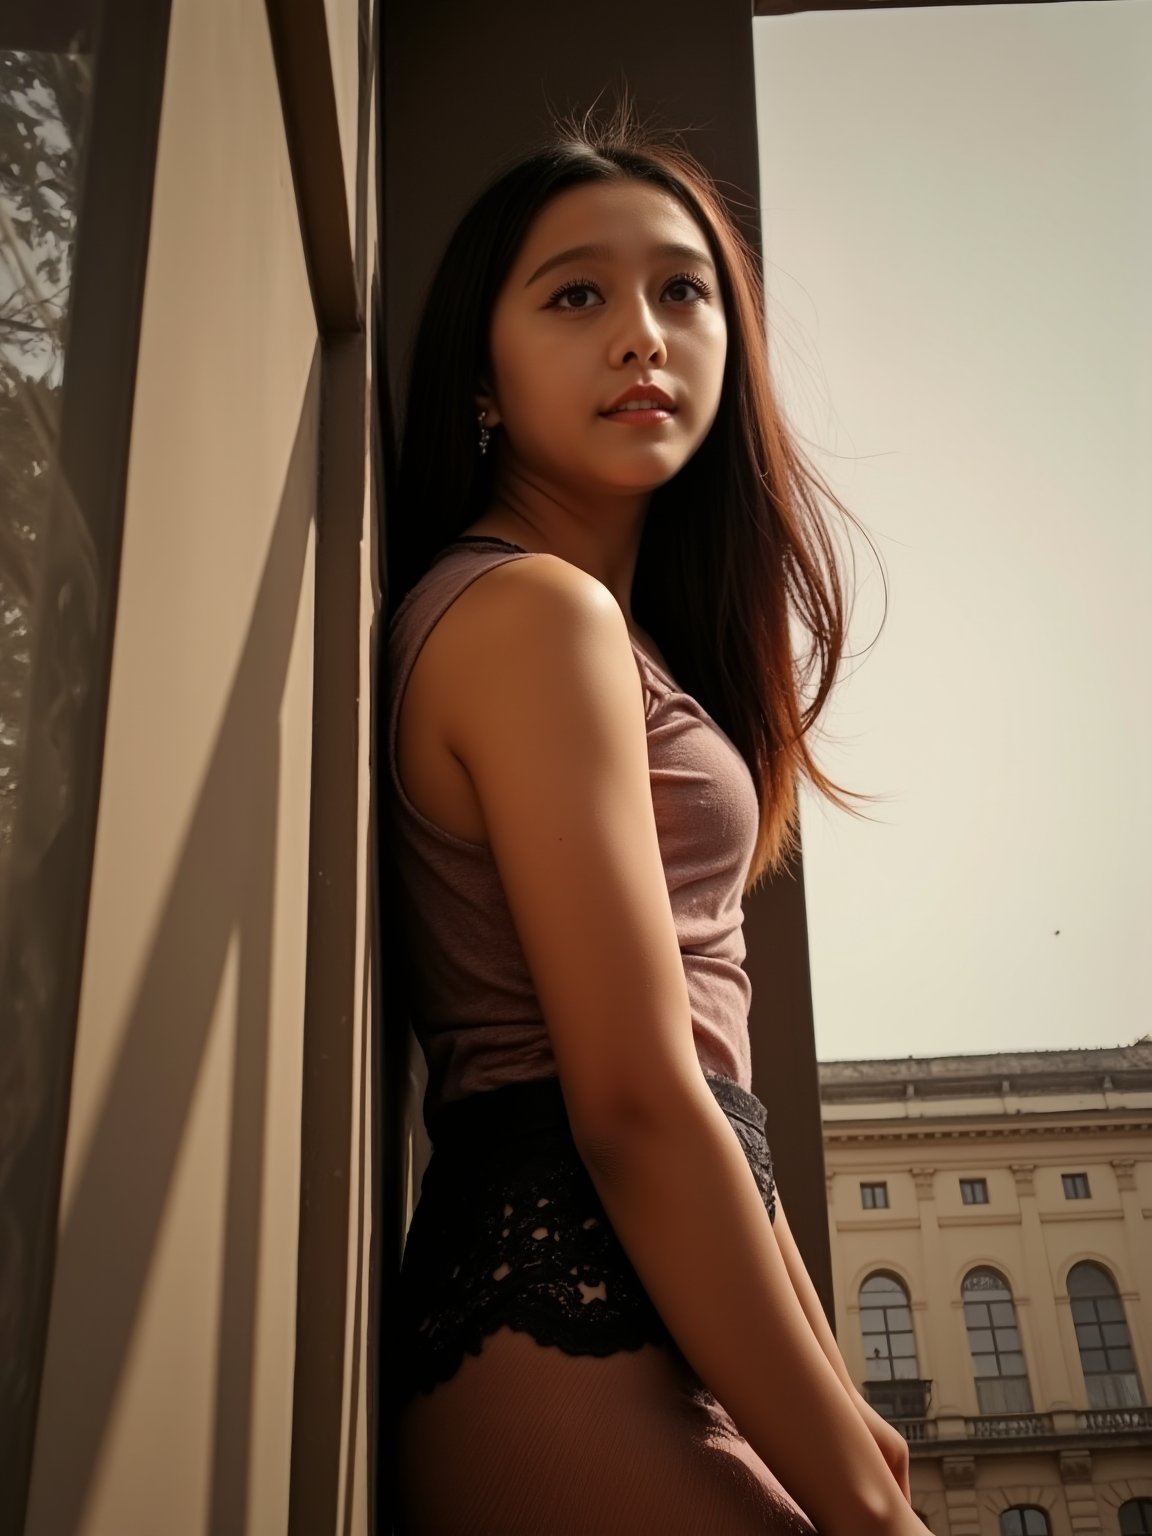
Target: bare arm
{"x":891,"y":1443}
{"x":545,"y":710}
{"x":808,"y":1298}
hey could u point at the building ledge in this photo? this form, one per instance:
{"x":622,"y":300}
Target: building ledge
{"x":1004,"y":1434}
{"x":973,"y":1128}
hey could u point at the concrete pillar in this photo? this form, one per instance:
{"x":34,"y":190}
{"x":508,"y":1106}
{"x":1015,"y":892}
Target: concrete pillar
{"x":960,"y":1496}
{"x":1136,"y":1286}
{"x":949,"y":1368}
{"x":1051,"y":1372}
{"x":1083,"y":1508}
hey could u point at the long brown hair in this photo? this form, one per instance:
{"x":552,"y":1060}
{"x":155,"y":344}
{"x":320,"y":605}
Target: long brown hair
{"x":736,"y":546}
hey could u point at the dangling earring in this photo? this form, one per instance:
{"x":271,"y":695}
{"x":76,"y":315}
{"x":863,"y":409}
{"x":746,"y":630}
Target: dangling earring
{"x":484,"y":432}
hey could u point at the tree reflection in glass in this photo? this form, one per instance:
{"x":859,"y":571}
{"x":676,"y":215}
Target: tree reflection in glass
{"x":46,"y":567}
{"x":43,"y":102}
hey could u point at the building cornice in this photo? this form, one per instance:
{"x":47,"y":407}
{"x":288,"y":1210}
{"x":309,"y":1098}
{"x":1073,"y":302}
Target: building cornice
{"x":1095,"y":1069}
{"x":847,"y":1133}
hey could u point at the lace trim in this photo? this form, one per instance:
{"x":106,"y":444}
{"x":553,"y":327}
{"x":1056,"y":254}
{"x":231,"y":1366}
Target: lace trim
{"x":510,"y":1231}
{"x":485,"y":538}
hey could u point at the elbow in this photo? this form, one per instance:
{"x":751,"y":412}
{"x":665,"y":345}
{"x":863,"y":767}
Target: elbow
{"x":602,"y":1152}
{"x":609,"y":1136}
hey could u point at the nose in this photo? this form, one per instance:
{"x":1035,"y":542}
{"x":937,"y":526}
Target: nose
{"x":639,"y":337}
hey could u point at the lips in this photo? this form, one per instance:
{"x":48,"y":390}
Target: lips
{"x":639,"y":397}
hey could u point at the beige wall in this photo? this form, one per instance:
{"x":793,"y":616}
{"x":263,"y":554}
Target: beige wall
{"x":1029,"y":1232}
{"x":342,"y":18}
{"x":969,"y":1500}
{"x":167,"y":1395}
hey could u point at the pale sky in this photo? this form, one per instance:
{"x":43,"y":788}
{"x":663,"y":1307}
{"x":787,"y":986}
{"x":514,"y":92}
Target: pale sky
{"x":957,"y":208}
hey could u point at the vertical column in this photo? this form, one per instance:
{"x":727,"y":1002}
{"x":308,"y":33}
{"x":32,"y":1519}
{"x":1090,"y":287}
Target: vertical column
{"x":960,"y":1496}
{"x":1050,"y":1370}
{"x":1083,"y":1509}
{"x":947,"y":1364}
{"x":1136,"y":1285}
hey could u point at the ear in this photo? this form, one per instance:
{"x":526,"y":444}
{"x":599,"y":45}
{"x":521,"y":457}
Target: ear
{"x":485,"y":402}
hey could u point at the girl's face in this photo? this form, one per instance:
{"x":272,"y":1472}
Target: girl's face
{"x":613,"y":287}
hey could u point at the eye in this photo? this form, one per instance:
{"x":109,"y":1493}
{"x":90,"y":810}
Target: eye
{"x":580,"y":285}
{"x":577,"y":290}
{"x":691,"y":280}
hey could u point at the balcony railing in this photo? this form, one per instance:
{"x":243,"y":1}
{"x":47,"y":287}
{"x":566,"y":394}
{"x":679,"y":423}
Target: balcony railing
{"x":915,"y":1430}
{"x":1109,"y":1420}
{"x":1008,"y":1426}
{"x":1018,"y":1426}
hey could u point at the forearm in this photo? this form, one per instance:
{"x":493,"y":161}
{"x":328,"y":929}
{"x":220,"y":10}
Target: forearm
{"x":809,"y":1300}
{"x":686,"y":1208}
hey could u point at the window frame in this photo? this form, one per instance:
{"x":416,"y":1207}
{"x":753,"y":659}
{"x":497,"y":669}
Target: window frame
{"x":882,"y":1293}
{"x":1143,"y":1508}
{"x":1023,"y":1510}
{"x":1113,"y":1386}
{"x":972,"y":1296}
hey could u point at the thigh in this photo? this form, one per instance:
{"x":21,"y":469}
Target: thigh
{"x":526,"y":1440}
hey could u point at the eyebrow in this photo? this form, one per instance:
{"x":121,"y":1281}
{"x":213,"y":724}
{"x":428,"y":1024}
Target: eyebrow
{"x":604,"y":253}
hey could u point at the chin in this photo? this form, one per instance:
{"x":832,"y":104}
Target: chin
{"x":647,"y":478}
{"x":655,"y":462}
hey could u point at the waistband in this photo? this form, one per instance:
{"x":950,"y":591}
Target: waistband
{"x":536,"y":1109}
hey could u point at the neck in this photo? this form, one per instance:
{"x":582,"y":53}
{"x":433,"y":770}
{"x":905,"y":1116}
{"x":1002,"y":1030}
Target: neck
{"x":601,"y":536}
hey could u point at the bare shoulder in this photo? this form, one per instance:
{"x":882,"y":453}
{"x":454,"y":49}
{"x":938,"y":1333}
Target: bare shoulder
{"x":543,"y":595}
{"x":531,"y":626}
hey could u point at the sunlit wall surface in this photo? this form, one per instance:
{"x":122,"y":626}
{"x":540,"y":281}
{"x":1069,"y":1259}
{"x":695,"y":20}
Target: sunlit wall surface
{"x":957,"y":234}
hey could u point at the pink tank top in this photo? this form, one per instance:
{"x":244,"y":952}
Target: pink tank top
{"x":475,"y":1010}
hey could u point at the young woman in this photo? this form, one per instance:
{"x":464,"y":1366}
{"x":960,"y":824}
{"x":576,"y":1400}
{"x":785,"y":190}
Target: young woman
{"x":601,"y":534}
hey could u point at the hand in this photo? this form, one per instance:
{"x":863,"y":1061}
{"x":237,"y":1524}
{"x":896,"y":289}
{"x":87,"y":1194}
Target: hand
{"x":892,"y":1444}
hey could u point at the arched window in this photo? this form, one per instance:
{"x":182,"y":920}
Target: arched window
{"x":1024,"y":1520}
{"x":994,"y":1339}
{"x":1102,"y":1334}
{"x":1136,"y":1518}
{"x":886,"y":1323}
{"x":891,"y":1372}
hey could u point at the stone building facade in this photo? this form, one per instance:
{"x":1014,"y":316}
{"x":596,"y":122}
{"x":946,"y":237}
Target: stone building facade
{"x":991,"y":1229}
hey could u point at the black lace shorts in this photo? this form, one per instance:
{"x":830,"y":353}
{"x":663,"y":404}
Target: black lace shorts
{"x":510,"y":1232}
